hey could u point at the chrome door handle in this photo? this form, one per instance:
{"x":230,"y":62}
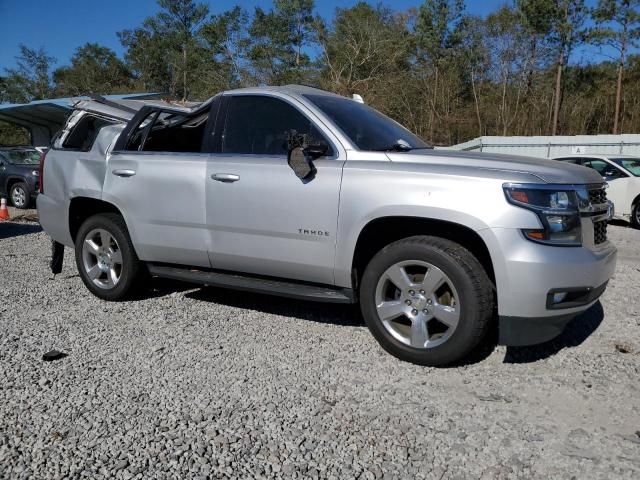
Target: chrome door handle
{"x":225,"y":177}
{"x":124,"y":172}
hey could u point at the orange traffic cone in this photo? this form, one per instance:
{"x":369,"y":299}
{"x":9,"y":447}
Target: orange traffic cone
{"x":4,"y":212}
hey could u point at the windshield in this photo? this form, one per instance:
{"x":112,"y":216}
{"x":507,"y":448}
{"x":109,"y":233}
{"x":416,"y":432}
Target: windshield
{"x":367,"y":128}
{"x":631,"y":164}
{"x":22,"y":157}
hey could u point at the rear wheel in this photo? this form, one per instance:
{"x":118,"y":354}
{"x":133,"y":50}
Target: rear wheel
{"x":106,"y":260}
{"x":426,"y":300}
{"x":19,"y":194}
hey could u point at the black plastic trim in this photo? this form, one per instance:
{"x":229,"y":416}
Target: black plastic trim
{"x":269,"y":286}
{"x":577,"y":296}
{"x":522,"y":331}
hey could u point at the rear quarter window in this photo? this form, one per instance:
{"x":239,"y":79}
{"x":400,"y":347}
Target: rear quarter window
{"x":84,"y":133}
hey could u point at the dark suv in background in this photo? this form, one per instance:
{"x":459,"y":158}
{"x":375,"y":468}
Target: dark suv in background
{"x":19,"y":174}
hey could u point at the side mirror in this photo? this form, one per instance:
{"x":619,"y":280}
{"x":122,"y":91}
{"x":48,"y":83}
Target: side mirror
{"x":610,"y":173}
{"x":316,"y":150}
{"x":301,"y":164}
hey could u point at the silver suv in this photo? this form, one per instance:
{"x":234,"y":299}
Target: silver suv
{"x":297,"y":192}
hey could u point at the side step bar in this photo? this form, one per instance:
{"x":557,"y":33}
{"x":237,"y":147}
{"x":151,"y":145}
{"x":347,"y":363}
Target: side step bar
{"x":281,"y":288}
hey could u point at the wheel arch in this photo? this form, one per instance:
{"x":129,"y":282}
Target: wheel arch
{"x":382,"y":231}
{"x":81,"y":208}
{"x":12,"y":180}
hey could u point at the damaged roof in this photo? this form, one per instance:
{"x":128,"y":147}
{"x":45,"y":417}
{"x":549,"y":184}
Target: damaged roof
{"x":43,"y":118}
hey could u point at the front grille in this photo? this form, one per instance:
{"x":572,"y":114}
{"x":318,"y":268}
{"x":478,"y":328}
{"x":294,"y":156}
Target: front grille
{"x":597,"y":196}
{"x":600,"y":232}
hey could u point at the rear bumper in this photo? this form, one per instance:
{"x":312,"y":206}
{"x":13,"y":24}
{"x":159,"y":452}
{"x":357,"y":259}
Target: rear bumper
{"x":54,"y":219}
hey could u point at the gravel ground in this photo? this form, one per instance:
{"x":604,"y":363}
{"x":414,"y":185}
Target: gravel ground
{"x":203,"y":383}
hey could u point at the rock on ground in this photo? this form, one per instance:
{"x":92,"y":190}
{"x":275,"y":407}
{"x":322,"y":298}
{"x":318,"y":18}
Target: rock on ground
{"x":202,"y":383}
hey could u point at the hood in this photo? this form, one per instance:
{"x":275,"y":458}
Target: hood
{"x":548,"y":171}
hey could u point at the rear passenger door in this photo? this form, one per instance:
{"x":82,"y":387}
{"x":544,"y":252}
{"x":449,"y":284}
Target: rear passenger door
{"x":262,"y":218}
{"x":156,"y":177}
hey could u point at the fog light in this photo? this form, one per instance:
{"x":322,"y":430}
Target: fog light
{"x":559,"y":297}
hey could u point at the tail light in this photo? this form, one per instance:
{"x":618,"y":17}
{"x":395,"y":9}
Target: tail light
{"x":41,"y":170}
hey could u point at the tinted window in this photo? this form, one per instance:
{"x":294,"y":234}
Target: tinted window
{"x":367,"y":128}
{"x":21,"y":157}
{"x":575,"y":161}
{"x":603,"y":168}
{"x":85,"y":132}
{"x":262,"y":125}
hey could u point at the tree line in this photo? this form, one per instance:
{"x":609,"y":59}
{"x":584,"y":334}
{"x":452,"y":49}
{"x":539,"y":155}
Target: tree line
{"x":446,"y":74}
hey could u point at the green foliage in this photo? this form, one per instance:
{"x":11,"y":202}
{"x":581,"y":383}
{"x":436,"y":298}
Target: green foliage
{"x":13,"y":134}
{"x":447,"y":75}
{"x":278,"y":40}
{"x":31,"y":80}
{"x":617,"y":25}
{"x":438,"y":31}
{"x":364,"y":48}
{"x":94,"y":70}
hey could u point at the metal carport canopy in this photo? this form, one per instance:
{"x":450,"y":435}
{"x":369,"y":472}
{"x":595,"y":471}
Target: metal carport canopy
{"x":43,"y":118}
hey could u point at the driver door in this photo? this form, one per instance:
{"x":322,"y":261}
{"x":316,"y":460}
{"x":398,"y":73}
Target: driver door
{"x":261,"y":217}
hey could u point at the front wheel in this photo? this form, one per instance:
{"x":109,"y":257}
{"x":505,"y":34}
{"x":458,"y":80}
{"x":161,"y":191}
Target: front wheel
{"x":20,"y":196}
{"x":427,"y":300}
{"x":106,"y":259}
{"x":635,"y":216}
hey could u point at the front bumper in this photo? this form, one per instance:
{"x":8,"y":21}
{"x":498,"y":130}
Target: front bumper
{"x":528,"y":274}
{"x":519,"y":331}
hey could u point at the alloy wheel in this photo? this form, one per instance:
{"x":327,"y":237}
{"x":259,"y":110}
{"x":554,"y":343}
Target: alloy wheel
{"x":417,"y":304}
{"x":18,"y":197}
{"x":102,"y":258}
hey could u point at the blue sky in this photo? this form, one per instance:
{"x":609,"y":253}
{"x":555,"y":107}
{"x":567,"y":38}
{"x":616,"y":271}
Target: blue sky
{"x":63,"y":25}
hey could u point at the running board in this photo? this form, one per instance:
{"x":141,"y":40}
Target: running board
{"x":281,"y":288}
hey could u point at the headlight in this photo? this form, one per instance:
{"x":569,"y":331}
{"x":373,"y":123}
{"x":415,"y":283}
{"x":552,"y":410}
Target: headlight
{"x":35,"y":173}
{"x":557,"y":208}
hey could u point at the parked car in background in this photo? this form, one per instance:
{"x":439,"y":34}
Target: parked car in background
{"x":622,"y":173}
{"x":19,"y":174}
{"x":302,"y":193}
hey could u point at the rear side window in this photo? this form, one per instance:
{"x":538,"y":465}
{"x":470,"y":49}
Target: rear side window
{"x":169,"y":132}
{"x":261,"y":125}
{"x":84,"y":133}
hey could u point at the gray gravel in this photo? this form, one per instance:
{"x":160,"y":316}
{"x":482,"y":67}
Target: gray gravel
{"x":203,"y":383}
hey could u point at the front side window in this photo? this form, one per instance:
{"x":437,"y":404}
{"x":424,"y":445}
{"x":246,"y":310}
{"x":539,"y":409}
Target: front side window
{"x":605,"y":169}
{"x":367,"y":128}
{"x":262,"y":125}
{"x":630,"y":164}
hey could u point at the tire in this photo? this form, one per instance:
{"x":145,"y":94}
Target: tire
{"x":20,"y":195}
{"x":105,"y":257}
{"x":635,"y":216}
{"x":451,"y":299}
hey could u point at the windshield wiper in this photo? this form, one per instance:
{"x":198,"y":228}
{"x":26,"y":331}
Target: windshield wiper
{"x":396,"y":147}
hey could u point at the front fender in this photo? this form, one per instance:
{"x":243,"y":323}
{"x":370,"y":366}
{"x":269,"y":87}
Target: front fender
{"x":368,"y":194}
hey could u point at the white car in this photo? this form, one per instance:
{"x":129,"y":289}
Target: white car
{"x":622,"y":173}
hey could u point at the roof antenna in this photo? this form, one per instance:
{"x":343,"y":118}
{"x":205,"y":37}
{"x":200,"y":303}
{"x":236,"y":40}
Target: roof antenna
{"x":357,"y":98}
